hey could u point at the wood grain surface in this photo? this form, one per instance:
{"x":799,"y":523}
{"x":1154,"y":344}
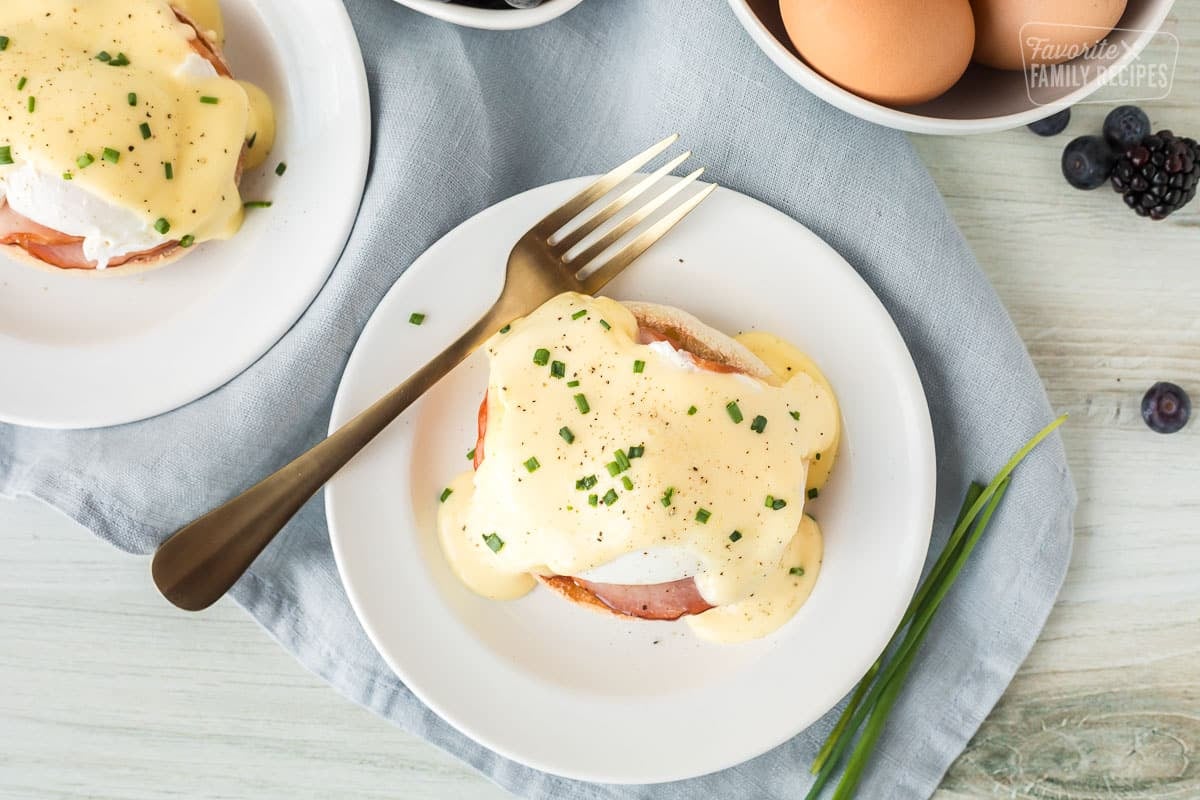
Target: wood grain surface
{"x":106,"y":692}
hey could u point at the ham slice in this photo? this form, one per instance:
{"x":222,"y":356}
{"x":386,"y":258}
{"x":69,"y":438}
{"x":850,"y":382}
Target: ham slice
{"x":661,"y":601}
{"x":58,"y":249}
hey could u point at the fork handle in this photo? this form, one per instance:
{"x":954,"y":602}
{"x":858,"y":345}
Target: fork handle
{"x":201,"y":561}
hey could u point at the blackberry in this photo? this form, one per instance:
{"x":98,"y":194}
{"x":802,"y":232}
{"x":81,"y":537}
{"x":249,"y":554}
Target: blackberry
{"x":1158,"y":176}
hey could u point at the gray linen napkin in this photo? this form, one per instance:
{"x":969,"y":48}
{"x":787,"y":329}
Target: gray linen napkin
{"x":466,"y":118}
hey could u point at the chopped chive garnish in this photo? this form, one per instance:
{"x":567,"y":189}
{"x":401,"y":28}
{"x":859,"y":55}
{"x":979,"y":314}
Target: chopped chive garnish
{"x":541,"y":356}
{"x":6,"y":154}
{"x":622,"y":460}
{"x":702,"y":515}
{"x":121,"y":60}
{"x":735,"y":413}
{"x":84,"y":160}
{"x":208,"y":100}
{"x":637,"y":451}
{"x":506,"y":329}
{"x":769,"y":501}
{"x":666,"y":498}
{"x":610,"y":497}
{"x":817,"y":456}
{"x":531,"y":464}
{"x":798,"y":571}
{"x":111,"y":156}
{"x":593,"y":500}
{"x":416,"y":318}
{"x":572,"y":384}
{"x":250,"y":142}
{"x":471,"y":454}
{"x":161,"y":225}
{"x":583,"y":484}
{"x":733,"y":537}
{"x":103,"y":56}
{"x":627,"y":483}
{"x":795,"y":414}
{"x":256,"y":204}
{"x":187,"y":241}
{"x":67,"y":176}
{"x":21,"y":83}
{"x":280,"y":168}
{"x":494,"y":542}
{"x":777,"y":503}
{"x":558,"y":369}
{"x":604,"y":324}
{"x":582,"y":403}
{"x":168,"y":170}
{"x":581,"y":312}
{"x":613,"y":468}
{"x":145,"y":129}
{"x":446,"y":493}
{"x":759,"y":424}
{"x":3,"y":43}
{"x":639,"y":366}
{"x":692,"y":411}
{"x":566,"y":434}
{"x":131,"y":98}
{"x":813,"y":493}
{"x":32,"y":104}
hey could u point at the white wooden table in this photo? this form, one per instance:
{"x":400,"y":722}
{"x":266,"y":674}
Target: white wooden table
{"x":105,"y":691}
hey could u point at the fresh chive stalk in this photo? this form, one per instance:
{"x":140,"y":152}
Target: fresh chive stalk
{"x":973,"y":492}
{"x":892,"y":679}
{"x":873,"y":697}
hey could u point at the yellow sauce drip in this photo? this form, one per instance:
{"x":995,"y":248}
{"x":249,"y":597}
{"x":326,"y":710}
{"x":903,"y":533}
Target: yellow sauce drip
{"x":637,"y":395}
{"x":84,"y":107}
{"x":775,"y":601}
{"x":260,"y":131}
{"x":786,"y":360}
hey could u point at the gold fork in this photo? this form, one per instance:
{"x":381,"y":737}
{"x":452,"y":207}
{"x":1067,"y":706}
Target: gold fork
{"x":203,"y":560}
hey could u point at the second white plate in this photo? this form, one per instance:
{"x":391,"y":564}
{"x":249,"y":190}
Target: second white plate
{"x":83,"y":351}
{"x":584,"y":695}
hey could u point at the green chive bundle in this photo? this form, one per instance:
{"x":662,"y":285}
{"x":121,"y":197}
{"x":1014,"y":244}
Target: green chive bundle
{"x":879,"y":688}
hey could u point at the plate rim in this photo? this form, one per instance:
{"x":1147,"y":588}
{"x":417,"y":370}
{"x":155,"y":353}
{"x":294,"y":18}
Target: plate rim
{"x":340,"y":413}
{"x":86,"y":417}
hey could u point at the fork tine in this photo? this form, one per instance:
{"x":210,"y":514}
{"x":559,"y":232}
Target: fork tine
{"x":632,"y":221}
{"x":605,"y":214}
{"x":626,"y":255}
{"x":567,"y":211}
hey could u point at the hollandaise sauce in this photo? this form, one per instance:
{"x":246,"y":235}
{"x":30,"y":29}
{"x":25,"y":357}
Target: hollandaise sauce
{"x":132,"y":108}
{"x":599,"y":448}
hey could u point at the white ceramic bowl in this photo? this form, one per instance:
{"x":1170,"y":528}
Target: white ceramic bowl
{"x":504,"y":19}
{"x":983,"y":100}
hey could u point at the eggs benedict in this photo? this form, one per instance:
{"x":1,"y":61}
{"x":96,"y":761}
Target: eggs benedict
{"x":123,"y":135}
{"x":639,"y":462}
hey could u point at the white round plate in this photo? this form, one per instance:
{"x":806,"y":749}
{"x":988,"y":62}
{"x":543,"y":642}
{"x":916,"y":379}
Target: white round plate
{"x":585,"y":695}
{"x":81,"y":351}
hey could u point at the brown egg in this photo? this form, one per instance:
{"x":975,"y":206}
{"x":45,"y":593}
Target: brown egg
{"x":1014,"y":34}
{"x":897,"y":52}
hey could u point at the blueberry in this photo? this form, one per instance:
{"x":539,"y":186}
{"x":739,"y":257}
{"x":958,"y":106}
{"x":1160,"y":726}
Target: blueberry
{"x":1126,"y":126}
{"x":1087,"y":162}
{"x":1166,"y":407}
{"x":1051,"y":125}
